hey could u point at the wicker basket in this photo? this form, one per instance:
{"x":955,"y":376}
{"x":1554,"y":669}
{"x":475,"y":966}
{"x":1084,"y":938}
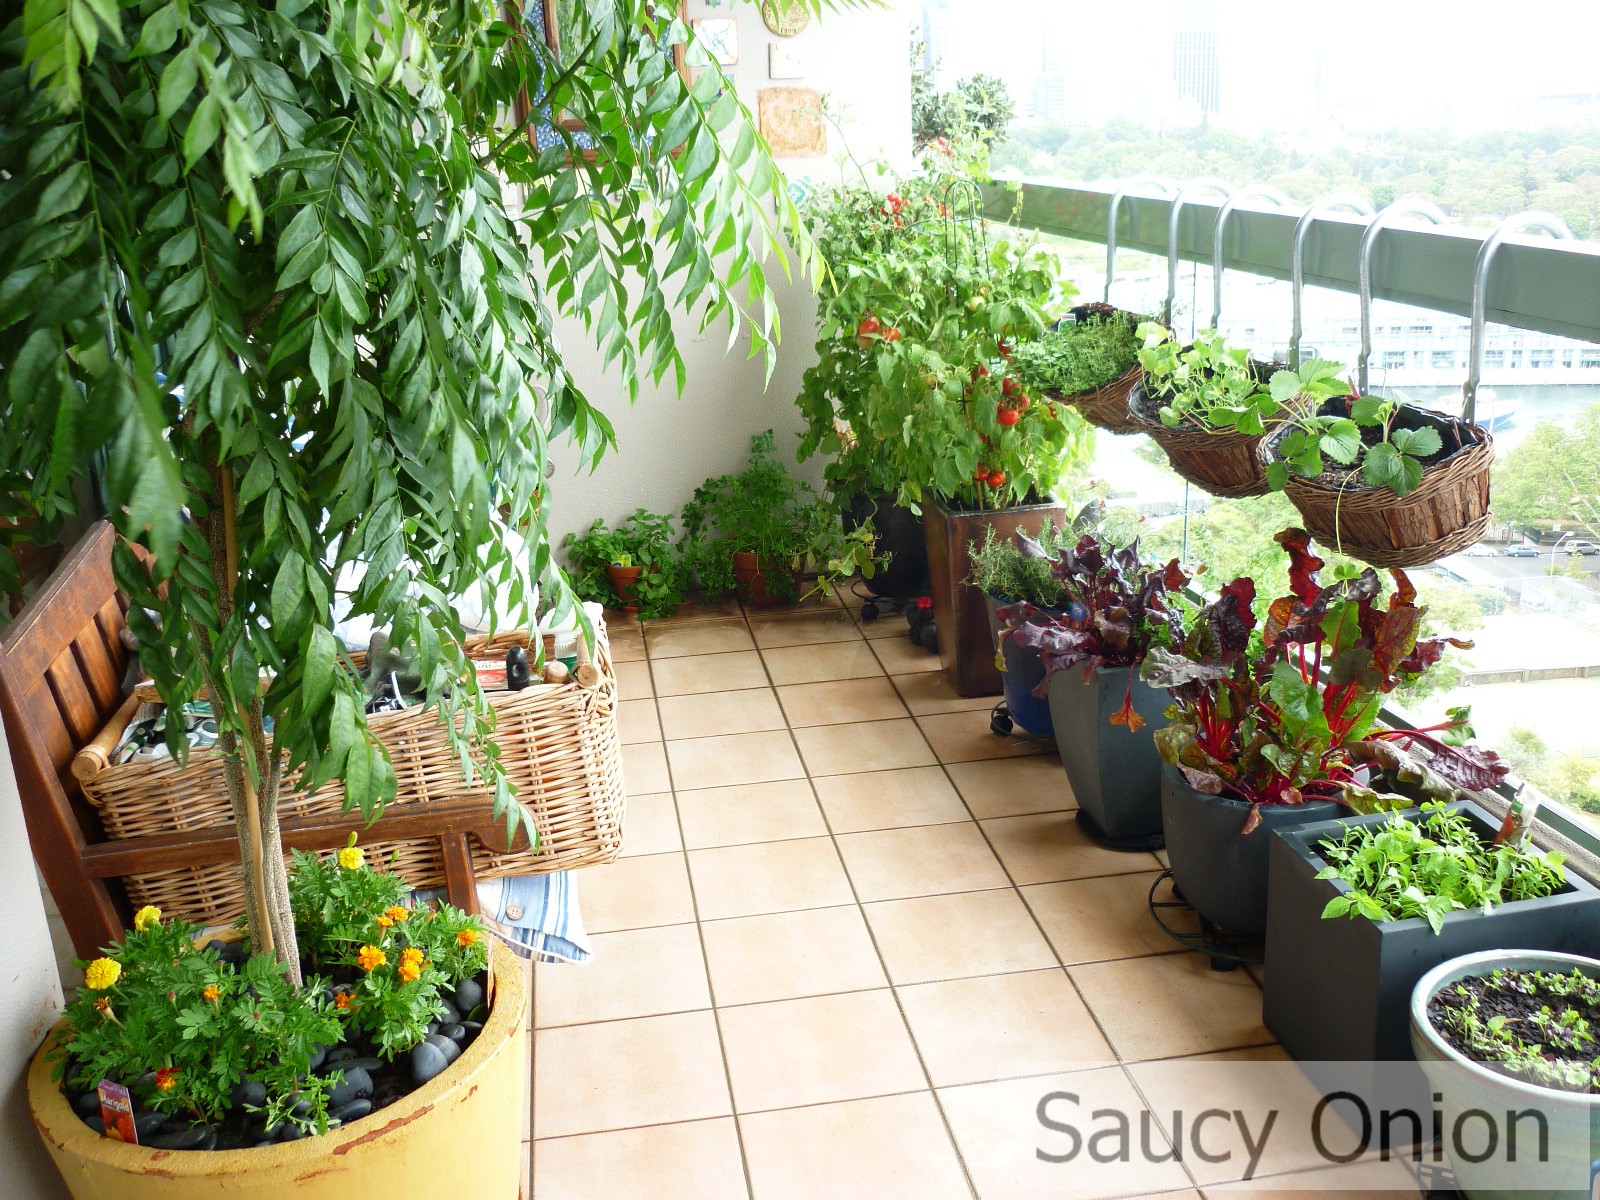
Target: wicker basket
{"x":558,"y":745}
{"x":1223,"y":462}
{"x":1448,"y":512}
{"x":1106,"y":407}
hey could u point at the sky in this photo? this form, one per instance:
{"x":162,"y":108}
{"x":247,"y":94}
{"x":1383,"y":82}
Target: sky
{"x":1409,"y":61}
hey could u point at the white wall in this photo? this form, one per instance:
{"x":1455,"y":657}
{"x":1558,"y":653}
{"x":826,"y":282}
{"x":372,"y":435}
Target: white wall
{"x":30,"y":1000}
{"x":667,"y":446}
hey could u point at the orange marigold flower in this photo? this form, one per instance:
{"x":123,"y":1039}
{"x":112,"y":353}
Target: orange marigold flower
{"x":412,"y":954}
{"x":384,"y":922}
{"x":408,"y":971}
{"x":467,"y":937}
{"x":211,"y":992}
{"x":370,"y":958}
{"x":166,"y":1078}
{"x":102,"y":1004}
{"x":397,"y":912}
{"x":343,"y":1001}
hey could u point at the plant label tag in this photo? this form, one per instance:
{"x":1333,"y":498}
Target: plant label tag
{"x":116,"y":1111}
{"x":1519,"y":818}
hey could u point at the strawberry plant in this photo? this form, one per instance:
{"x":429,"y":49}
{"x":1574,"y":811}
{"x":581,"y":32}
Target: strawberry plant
{"x":1287,"y":711}
{"x":1358,"y":432}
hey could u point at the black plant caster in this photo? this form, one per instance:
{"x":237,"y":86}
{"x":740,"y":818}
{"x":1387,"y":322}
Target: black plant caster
{"x":919,"y":619}
{"x":869,"y":611}
{"x":1000,"y":722}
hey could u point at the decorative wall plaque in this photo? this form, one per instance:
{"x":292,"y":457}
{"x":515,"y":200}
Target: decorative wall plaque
{"x":791,"y":121}
{"x":785,"y":24}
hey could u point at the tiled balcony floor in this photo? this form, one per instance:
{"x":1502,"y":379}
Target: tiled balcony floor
{"x":853,"y":939}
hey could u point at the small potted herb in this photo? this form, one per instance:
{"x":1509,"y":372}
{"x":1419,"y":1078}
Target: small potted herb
{"x":759,"y":528}
{"x":636,"y":566}
{"x":1090,"y":361}
{"x":1391,"y":483}
{"x":1114,"y":609}
{"x":1207,"y":405}
{"x":1275,"y":723}
{"x":1388,"y":896}
{"x":1508,"y":1041}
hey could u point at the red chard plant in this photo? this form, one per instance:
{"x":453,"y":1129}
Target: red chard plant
{"x":1115,"y":610}
{"x":1287,"y":711}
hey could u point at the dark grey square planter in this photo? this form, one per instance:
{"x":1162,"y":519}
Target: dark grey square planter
{"x":1115,"y":774}
{"x":1339,"y":990}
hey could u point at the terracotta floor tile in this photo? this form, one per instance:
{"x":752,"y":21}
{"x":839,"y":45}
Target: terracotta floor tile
{"x":1091,"y":920}
{"x":637,"y":721}
{"x":1045,"y":847}
{"x":840,"y":701}
{"x":891,"y":864}
{"x":644,"y":768}
{"x":889,"y":799}
{"x":818,"y":1049}
{"x":1002,"y":1027}
{"x":998,"y":1131}
{"x":1010,"y":787}
{"x":626,"y":645}
{"x":650,"y":825}
{"x":868,"y":746}
{"x":618,"y":1074}
{"x":698,"y":1160}
{"x":929,"y":692}
{"x":885,"y":1148}
{"x":1371,"y":1180}
{"x":744,"y":881}
{"x":887,"y":625}
{"x":635,"y":893}
{"x":966,"y":737}
{"x":633,"y":680}
{"x":804,"y":629}
{"x":696,"y":609}
{"x":638,"y":973}
{"x":1172,"y":1004}
{"x":702,"y":637}
{"x":733,"y":759}
{"x":949,"y":937}
{"x":785,"y":955}
{"x":751,"y":812}
{"x":716,"y":714}
{"x":697,"y":674}
{"x":900,"y":657}
{"x":814,"y":664}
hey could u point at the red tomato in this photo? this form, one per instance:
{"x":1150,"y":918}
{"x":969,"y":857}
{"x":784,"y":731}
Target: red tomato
{"x":981,"y":474}
{"x":867,"y":330}
{"x":891,"y":334}
{"x":1010,"y":388}
{"x":1007,"y":416}
{"x":997,"y":479}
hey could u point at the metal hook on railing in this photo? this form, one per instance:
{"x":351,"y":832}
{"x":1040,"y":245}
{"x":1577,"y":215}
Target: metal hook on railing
{"x":1369,"y":238}
{"x":1167,"y":188}
{"x":1345,"y":201}
{"x":1254,"y":191}
{"x":1189,"y":190}
{"x":1526,"y":222}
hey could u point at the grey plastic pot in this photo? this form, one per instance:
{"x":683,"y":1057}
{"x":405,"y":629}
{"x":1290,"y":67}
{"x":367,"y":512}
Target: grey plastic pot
{"x":1220,"y":871}
{"x":1474,"y":1098}
{"x":1115,"y":774}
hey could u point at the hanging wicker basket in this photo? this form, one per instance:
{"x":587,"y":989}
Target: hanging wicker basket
{"x":1220,"y":461}
{"x":558,"y":745}
{"x":1448,"y":512}
{"x":1105,"y":407}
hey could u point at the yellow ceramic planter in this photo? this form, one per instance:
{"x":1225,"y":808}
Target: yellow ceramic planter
{"x":458,"y":1135}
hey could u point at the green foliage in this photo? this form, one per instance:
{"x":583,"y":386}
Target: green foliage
{"x":1553,"y":475}
{"x":976,"y":113}
{"x":644,"y":539}
{"x":1431,"y":868}
{"x":1002,"y":568}
{"x":1547,"y":1038}
{"x":1392,"y":457}
{"x":763,"y":511}
{"x":160,"y":1017}
{"x":1209,"y":384}
{"x":1079,"y":356}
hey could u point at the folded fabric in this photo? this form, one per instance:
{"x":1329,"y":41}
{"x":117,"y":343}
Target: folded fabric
{"x":537,"y":916}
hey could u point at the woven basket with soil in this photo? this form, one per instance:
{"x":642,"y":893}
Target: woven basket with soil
{"x":1223,"y":462}
{"x":1448,"y":512}
{"x":1105,"y":407}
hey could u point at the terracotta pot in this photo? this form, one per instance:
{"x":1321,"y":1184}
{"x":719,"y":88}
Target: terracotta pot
{"x":752,"y":575}
{"x":625,"y":582}
{"x":458,"y":1135}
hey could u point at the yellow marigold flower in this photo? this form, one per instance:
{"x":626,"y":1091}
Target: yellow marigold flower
{"x":370,"y":958}
{"x":384,"y":922}
{"x":396,"y":912}
{"x":211,"y":992}
{"x":351,"y":858}
{"x":411,"y":954}
{"x":147,"y":916}
{"x":166,"y":1078}
{"x":467,"y":937}
{"x":408,"y":971}
{"x":102,"y":973}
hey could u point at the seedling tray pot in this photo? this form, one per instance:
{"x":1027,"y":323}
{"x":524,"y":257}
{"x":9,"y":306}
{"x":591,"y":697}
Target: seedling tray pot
{"x":1115,"y":774}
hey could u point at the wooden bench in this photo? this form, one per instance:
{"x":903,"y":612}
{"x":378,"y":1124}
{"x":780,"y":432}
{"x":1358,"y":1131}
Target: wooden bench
{"x":61,"y":668}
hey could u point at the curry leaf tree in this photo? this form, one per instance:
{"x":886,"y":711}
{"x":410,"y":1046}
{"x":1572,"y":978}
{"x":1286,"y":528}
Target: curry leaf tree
{"x":289,"y":271}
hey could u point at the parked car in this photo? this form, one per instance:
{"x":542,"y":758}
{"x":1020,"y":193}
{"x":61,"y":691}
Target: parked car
{"x":1581,"y":547}
{"x":1482,"y":550}
{"x":1522,"y":551}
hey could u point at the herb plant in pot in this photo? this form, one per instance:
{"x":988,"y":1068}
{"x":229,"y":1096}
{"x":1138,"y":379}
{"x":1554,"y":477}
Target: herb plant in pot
{"x":1276,"y":726}
{"x":1009,"y":571}
{"x":1114,"y":611}
{"x":1090,"y":361}
{"x":1388,"y":896}
{"x":1390,"y":483}
{"x":636,"y":566}
{"x":1507,"y":1041}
